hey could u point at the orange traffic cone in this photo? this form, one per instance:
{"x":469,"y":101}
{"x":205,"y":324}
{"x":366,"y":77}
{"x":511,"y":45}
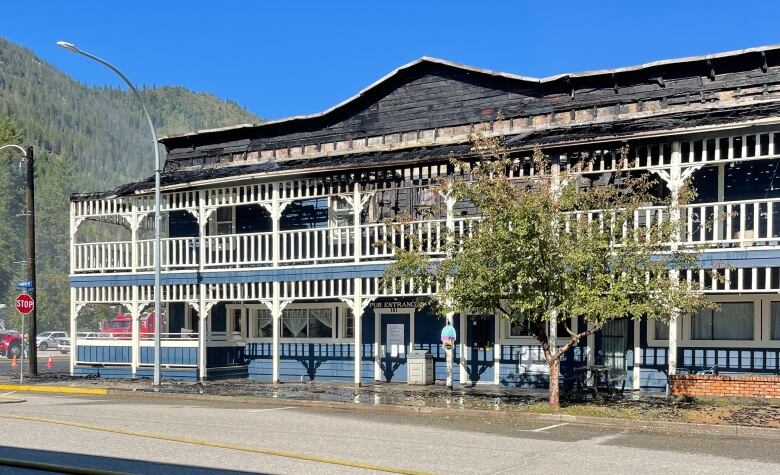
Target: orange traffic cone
{"x":13,"y":362}
{"x":49,"y":363}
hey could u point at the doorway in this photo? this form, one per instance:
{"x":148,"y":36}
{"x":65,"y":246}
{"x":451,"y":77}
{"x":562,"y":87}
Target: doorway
{"x":395,"y":346}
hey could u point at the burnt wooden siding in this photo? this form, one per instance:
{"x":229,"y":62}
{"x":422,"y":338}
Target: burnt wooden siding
{"x":430,"y":95}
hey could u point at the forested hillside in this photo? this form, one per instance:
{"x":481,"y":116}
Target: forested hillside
{"x":85,"y":139}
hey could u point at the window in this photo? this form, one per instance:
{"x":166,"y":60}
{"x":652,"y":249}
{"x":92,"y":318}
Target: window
{"x":264,"y":325}
{"x":224,"y":222}
{"x":519,"y":328}
{"x":237,"y":320}
{"x":307,"y":323}
{"x":661,"y":330}
{"x":732,"y":321}
{"x":341,"y":212}
{"x":774,"y":324}
{"x":349,"y":325}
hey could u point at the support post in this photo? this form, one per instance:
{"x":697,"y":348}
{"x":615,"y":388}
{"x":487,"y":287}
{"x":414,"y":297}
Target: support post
{"x":33,"y":328}
{"x":450,"y":318}
{"x":135,"y":331}
{"x":74,"y":315}
{"x":202,"y":325}
{"x":591,"y":354}
{"x":464,"y":369}
{"x":357,"y":318}
{"x":675,"y":182}
{"x":276,"y":309}
{"x":637,"y":367}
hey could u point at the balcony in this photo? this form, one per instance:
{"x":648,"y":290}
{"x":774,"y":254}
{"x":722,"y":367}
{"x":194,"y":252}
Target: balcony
{"x":749,"y":224}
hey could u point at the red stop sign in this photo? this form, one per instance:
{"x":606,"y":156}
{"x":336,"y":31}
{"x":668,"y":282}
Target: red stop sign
{"x":25,"y":304}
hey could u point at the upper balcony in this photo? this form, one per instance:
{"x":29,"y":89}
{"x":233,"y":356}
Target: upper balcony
{"x":746,"y":224}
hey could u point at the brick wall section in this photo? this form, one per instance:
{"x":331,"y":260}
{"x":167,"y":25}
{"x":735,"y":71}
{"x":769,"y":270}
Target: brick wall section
{"x":767,"y":387}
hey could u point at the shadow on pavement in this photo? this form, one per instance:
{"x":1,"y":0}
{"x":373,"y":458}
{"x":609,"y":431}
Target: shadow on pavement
{"x":103,"y":463}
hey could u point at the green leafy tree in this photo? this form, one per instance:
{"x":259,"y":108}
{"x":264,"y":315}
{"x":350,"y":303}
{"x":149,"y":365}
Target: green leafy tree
{"x":538,"y":257}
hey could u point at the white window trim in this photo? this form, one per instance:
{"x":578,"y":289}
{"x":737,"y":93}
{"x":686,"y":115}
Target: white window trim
{"x":761,"y":328}
{"x":214,"y":224}
{"x":506,"y":339}
{"x":339,"y":318}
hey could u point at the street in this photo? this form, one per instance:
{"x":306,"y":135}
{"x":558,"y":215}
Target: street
{"x":154,"y":435}
{"x":59,"y":364}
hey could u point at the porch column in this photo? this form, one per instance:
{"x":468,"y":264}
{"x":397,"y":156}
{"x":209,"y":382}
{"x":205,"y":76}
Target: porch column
{"x":276,"y":314}
{"x":357,"y":318}
{"x":591,"y":353}
{"x":202,"y":325}
{"x":497,"y":349}
{"x":276,"y":309}
{"x":450,"y":318}
{"x":135,"y":331}
{"x":637,"y":367}
{"x":675,"y":181}
{"x":357,"y":286}
{"x":74,"y":313}
{"x":464,"y":369}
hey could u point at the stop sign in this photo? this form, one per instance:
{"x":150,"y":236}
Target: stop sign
{"x":25,"y":304}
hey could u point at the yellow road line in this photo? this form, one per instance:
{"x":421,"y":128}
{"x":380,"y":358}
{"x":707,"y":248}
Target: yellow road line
{"x":220,"y":445}
{"x":56,"y":468}
{"x":53,"y":389}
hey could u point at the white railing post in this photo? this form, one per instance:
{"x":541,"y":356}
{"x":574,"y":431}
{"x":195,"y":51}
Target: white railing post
{"x":276,"y":310}
{"x":357,"y":317}
{"x":135,"y":331}
{"x":675,"y":182}
{"x":203,"y":321}
{"x":450,"y":317}
{"x":74,"y":313}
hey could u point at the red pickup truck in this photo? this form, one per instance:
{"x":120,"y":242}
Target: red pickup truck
{"x":121,"y":325}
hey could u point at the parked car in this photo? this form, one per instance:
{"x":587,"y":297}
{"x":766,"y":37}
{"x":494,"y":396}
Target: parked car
{"x":10,"y":344}
{"x":63,"y":344}
{"x":46,"y":340}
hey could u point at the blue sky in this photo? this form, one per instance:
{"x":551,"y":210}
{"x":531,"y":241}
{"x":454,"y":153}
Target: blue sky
{"x":289,"y":58}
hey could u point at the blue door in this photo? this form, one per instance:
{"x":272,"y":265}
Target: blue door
{"x":395,"y":346}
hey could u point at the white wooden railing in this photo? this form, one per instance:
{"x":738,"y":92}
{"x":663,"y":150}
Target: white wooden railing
{"x":713,"y":226}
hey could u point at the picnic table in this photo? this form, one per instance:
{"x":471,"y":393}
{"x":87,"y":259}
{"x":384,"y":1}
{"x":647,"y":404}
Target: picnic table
{"x":593,"y":377}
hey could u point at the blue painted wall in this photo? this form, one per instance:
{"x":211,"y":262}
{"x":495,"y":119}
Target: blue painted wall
{"x":170,"y":356}
{"x":104,"y":354}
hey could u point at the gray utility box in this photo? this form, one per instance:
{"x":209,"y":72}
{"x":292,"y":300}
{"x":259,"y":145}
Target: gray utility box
{"x":420,"y":367}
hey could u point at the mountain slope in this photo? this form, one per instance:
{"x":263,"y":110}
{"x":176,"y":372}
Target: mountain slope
{"x":102,"y":129}
{"x":85,"y":139}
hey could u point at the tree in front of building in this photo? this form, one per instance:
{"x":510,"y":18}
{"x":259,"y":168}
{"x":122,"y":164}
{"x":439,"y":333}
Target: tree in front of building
{"x":547,"y":249}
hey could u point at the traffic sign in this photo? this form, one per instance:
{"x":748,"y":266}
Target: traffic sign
{"x":25,"y":304}
{"x":24,"y":283}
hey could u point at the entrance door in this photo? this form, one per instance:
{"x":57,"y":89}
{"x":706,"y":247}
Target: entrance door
{"x":395,"y":346}
{"x":614,"y":343}
{"x":480,"y":340}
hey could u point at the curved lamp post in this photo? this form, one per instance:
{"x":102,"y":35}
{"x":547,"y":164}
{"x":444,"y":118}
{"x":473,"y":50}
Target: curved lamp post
{"x":27,"y":154}
{"x":157,"y":169}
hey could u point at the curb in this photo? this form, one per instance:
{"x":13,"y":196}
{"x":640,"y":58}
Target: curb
{"x":54,"y":389}
{"x":625,"y":424}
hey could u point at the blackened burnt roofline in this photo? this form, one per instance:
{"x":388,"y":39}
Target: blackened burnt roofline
{"x":567,"y":135}
{"x":612,"y":75}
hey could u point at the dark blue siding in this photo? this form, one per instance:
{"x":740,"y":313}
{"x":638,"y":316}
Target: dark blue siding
{"x":225,"y":356}
{"x":170,"y":356}
{"x":104,"y":354}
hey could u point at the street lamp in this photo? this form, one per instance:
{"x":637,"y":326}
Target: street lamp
{"x":72,"y":48}
{"x":27,"y":154}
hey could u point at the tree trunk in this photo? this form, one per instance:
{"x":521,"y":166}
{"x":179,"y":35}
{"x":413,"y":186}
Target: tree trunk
{"x":555,"y":370}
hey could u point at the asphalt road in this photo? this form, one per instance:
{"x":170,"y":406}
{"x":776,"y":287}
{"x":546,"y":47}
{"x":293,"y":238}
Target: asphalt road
{"x":423,"y":442}
{"x":59,"y":364}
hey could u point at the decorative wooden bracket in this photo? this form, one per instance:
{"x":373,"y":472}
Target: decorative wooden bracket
{"x":363,"y":199}
{"x":364,"y":303}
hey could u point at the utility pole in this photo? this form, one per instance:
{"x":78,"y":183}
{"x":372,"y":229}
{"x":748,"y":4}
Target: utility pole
{"x":33,"y":327}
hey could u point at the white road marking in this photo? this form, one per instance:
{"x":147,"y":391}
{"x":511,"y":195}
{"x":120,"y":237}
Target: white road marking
{"x":7,"y":394}
{"x":542,"y":429}
{"x":274,"y":409}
